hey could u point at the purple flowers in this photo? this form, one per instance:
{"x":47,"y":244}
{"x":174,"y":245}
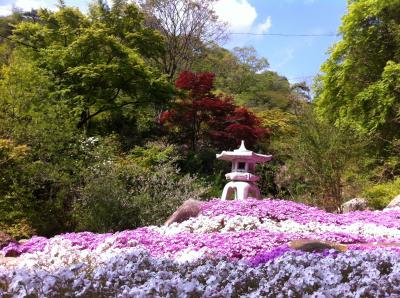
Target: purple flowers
{"x":238,"y":229}
{"x":232,"y":245}
{"x":136,"y":274}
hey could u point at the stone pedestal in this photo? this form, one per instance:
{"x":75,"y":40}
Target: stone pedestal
{"x":240,"y":190}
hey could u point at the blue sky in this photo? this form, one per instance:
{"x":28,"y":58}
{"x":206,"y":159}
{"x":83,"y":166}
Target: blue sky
{"x":297,"y":58}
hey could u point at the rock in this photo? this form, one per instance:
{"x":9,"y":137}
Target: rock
{"x":189,"y":208}
{"x":395,"y":203}
{"x":5,"y":239}
{"x":316,"y":245}
{"x":12,"y":253}
{"x":356,"y":204}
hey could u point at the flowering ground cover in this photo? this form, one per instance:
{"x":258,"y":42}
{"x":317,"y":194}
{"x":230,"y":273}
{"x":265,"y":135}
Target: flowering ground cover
{"x":233,"y":248}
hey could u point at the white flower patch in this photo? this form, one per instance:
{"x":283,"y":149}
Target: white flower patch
{"x":200,"y":224}
{"x":372,"y":230}
{"x":60,"y":253}
{"x":205,"y":224}
{"x":241,"y":223}
{"x":190,"y":255}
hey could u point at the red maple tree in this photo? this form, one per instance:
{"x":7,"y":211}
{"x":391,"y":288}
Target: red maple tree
{"x":202,"y":118}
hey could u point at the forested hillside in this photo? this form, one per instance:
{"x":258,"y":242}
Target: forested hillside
{"x":110,"y":119}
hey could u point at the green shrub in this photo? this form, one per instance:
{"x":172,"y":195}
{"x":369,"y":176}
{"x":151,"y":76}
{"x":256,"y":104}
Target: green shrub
{"x":380,"y":195}
{"x":14,"y":203}
{"x":319,"y":158}
{"x":132,"y":191}
{"x":19,"y":230}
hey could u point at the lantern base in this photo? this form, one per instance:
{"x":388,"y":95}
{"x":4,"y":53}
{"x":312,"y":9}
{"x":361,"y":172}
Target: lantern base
{"x":240,"y":190}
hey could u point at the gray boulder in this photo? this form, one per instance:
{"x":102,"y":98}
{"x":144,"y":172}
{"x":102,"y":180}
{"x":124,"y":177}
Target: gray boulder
{"x":189,"y":208}
{"x":395,"y":203}
{"x":356,"y":204}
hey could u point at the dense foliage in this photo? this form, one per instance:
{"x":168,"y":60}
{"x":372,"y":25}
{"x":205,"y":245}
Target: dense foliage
{"x":139,"y":189}
{"x":110,"y":119}
{"x":97,"y":60}
{"x":77,"y":95}
{"x":206,"y":120}
{"x":381,"y":194}
{"x":359,"y":87}
{"x":323,"y":159}
{"x":244,"y":75}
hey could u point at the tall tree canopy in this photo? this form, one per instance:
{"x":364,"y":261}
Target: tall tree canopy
{"x":245,"y":75}
{"x":97,"y":59}
{"x":360,"y":85}
{"x":201,"y":119}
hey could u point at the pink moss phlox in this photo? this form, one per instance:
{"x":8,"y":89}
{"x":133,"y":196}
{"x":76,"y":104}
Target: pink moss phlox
{"x":34,"y":244}
{"x":280,"y":210}
{"x":242,"y":244}
{"x":85,"y":240}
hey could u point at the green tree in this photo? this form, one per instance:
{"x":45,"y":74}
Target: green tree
{"x":381,"y":194}
{"x":359,"y":86}
{"x":245,"y":75}
{"x":41,"y":184}
{"x":267,"y":90}
{"x":13,"y":219}
{"x":97,"y":60}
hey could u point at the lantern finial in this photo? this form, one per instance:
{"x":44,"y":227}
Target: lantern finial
{"x":242,"y":147}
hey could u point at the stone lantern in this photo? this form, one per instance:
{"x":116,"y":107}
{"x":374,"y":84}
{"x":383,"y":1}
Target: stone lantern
{"x":242,"y":184}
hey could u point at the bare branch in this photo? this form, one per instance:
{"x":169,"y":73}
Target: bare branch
{"x":187,"y":25}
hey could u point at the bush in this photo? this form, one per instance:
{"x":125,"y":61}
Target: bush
{"x":40,"y":154}
{"x":143,"y":188}
{"x":319,"y":159}
{"x":380,"y":195}
{"x":13,"y":159}
{"x":19,"y":230}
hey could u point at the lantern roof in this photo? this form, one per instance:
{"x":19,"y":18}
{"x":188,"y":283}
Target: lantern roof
{"x":243,"y":154}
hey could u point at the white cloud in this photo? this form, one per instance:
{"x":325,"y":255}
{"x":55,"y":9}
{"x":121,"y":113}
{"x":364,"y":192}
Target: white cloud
{"x":5,"y":10}
{"x":27,"y":5}
{"x":264,"y":27}
{"x":239,"y":14}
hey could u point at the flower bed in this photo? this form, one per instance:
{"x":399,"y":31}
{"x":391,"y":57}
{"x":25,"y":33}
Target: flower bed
{"x":231,"y":248}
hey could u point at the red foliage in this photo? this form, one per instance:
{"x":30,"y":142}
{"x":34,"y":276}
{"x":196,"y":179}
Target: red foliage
{"x":243,"y":115}
{"x":200,"y":84}
{"x":210,"y":120}
{"x":165,"y":116}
